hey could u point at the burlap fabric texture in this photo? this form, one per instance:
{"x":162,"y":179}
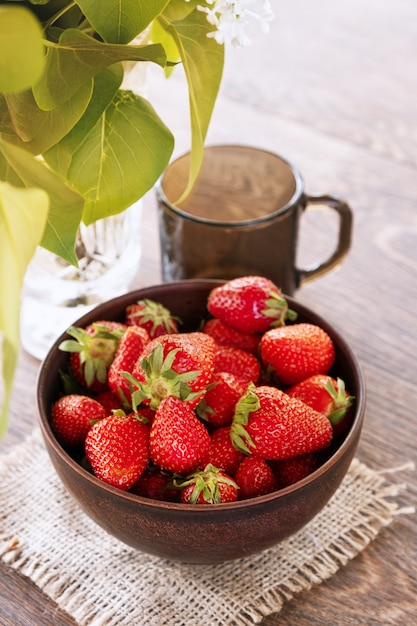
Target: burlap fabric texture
{"x":101,"y":582}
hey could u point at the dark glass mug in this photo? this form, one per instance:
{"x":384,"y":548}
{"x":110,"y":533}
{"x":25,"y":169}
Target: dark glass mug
{"x":241,"y":218}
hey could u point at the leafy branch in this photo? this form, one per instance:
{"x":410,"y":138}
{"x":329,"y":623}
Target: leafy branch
{"x":74,"y":146}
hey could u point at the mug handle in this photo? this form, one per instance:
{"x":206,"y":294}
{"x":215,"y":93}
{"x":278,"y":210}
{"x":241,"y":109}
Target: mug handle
{"x":344,"y":239}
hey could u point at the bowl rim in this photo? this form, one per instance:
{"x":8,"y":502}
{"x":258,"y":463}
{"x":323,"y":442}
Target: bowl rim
{"x":353,"y":433}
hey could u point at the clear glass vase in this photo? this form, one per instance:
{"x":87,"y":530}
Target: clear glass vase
{"x":55,"y":294}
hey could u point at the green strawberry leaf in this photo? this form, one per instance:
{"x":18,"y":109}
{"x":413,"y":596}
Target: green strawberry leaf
{"x":246,"y":405}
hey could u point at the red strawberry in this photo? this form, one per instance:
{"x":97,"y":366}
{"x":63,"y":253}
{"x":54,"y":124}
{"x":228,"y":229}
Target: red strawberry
{"x":110,"y":401}
{"x":152,"y":316}
{"x":91,"y":352}
{"x":255,"y":478}
{"x":270,"y":424}
{"x":225,"y":335}
{"x":222,"y":453}
{"x":242,"y":364}
{"x":117,"y":449}
{"x":327,"y":395}
{"x":218,"y":405}
{"x":297,"y":351}
{"x":155,"y":484}
{"x":251,"y":304}
{"x":145,"y":414}
{"x":178,"y":440}
{"x":210,"y":486}
{"x":179,"y":364}
{"x":72,"y":417}
{"x":290,"y":471}
{"x":130,"y":348}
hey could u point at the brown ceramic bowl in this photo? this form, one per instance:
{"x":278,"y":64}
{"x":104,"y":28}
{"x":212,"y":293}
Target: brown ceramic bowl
{"x":205,"y":533}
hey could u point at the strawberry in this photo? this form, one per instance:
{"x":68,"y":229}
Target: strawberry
{"x":179,"y":364}
{"x":72,"y":417}
{"x":255,"y":478}
{"x":270,"y":424}
{"x":153,"y":316}
{"x":327,"y":395}
{"x":290,"y":471}
{"x":178,"y":440}
{"x":251,"y":304}
{"x":297,"y":351}
{"x":218,"y":405}
{"x":242,"y":364}
{"x":110,"y":401}
{"x":130,"y":348}
{"x":92,"y":350}
{"x":155,"y":484}
{"x":117,"y":448}
{"x":209,"y":486}
{"x":222,"y":453}
{"x":225,"y":335}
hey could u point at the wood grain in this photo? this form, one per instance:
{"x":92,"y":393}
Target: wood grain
{"x":332,"y":88}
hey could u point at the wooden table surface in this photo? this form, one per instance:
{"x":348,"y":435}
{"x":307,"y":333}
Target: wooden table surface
{"x":333,"y":88}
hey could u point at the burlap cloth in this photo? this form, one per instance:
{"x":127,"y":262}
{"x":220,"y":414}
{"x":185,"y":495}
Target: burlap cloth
{"x":99,"y":581}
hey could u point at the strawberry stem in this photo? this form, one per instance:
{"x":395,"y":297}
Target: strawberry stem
{"x":247,"y":404}
{"x":277,"y":309}
{"x":161,"y":380}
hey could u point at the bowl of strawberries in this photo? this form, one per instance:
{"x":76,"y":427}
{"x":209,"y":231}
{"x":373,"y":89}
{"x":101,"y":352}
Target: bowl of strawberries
{"x":201,"y":420}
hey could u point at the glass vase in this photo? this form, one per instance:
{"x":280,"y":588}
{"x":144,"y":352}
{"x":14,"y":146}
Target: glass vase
{"x":55,"y":294}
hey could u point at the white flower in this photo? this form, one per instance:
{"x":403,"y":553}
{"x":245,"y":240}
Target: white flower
{"x":230,"y":18}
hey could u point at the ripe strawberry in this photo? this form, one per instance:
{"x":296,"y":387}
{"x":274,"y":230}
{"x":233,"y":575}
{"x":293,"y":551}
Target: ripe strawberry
{"x":72,"y":417}
{"x":290,"y":471}
{"x":130,"y":348}
{"x":270,"y":424}
{"x":297,"y":351}
{"x":180,"y":365}
{"x":91,"y":352}
{"x":152,"y":316}
{"x":117,"y":448}
{"x":209,"y":486}
{"x":145,"y":414}
{"x":242,"y":364}
{"x":225,"y":335}
{"x":251,"y":304}
{"x":222,"y":453}
{"x":218,"y":405}
{"x":255,"y":478}
{"x":155,"y":484}
{"x":178,"y":440}
{"x":110,"y":401}
{"x":327,"y":395}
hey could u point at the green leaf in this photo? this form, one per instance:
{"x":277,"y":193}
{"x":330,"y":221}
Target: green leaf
{"x":37,"y":130}
{"x":22,"y":58}
{"x":119,"y":21}
{"x":160,"y":35}
{"x":203,"y":60}
{"x":121,"y":158}
{"x":66,"y":205}
{"x":106,"y":84}
{"x":23,"y":214}
{"x":77,"y":58}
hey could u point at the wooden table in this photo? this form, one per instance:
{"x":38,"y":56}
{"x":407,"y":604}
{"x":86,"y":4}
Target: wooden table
{"x":333,"y":88}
